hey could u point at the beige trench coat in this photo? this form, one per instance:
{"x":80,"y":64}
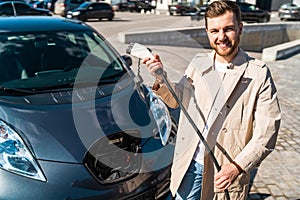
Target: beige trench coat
{"x":244,"y":119}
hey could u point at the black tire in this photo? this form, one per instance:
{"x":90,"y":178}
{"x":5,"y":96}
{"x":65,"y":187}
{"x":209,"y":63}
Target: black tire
{"x":183,"y":13}
{"x":84,"y":19}
{"x":264,"y":19}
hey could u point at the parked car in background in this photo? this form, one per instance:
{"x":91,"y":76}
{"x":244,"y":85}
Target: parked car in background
{"x":121,"y":6}
{"x":134,"y":6}
{"x":61,"y":7}
{"x":252,"y":13}
{"x":16,"y":8}
{"x":199,"y":14}
{"x":139,"y":6}
{"x":289,"y":11}
{"x":92,"y":10}
{"x":74,"y":123}
{"x":182,"y":9}
{"x":249,"y":13}
{"x":46,"y":4}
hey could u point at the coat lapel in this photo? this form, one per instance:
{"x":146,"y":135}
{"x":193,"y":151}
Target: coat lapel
{"x":220,"y":88}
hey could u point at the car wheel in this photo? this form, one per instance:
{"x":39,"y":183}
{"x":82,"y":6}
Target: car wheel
{"x":263,"y":19}
{"x":110,"y":18}
{"x":183,"y":12}
{"x":83,"y":19}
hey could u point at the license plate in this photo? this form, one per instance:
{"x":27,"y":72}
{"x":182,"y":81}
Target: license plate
{"x":69,"y":16}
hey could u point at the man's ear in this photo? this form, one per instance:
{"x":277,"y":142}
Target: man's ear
{"x":241,"y":28}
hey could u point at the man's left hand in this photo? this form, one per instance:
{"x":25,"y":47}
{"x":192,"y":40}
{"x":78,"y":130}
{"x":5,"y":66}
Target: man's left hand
{"x":225,"y":177}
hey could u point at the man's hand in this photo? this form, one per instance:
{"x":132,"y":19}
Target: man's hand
{"x":153,"y":65}
{"x":225,"y":177}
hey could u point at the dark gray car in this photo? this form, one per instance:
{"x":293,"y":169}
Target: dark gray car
{"x":92,"y":10}
{"x":17,"y":8}
{"x":73,"y":122}
{"x":61,"y":7}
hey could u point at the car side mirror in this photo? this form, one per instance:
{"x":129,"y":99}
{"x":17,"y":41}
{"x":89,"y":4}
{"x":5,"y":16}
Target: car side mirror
{"x":128,"y":60}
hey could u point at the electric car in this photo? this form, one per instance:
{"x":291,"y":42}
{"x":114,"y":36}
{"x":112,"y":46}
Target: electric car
{"x":74,"y":123}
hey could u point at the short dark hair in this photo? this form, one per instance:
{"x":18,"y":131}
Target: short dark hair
{"x":220,"y":7}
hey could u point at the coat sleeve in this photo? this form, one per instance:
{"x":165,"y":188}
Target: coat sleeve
{"x":183,"y":90}
{"x":267,"y":117}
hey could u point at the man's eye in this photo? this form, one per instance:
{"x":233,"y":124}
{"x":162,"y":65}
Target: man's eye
{"x":214,"y":31}
{"x":229,"y":29}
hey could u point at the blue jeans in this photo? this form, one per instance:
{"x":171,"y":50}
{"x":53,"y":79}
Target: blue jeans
{"x":190,"y":186}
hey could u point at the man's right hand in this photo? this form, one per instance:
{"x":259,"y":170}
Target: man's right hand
{"x":153,"y":65}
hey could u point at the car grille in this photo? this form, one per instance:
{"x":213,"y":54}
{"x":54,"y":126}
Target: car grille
{"x":115,"y":157}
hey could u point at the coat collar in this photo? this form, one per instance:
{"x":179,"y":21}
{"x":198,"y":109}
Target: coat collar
{"x":237,"y":65}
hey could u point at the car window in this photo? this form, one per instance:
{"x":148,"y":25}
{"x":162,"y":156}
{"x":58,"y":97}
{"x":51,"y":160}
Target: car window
{"x":95,"y":6}
{"x":77,"y":1}
{"x":7,"y":9}
{"x":20,"y":8}
{"x":95,"y":49}
{"x":85,"y":5}
{"x":42,"y":60}
{"x":252,"y":7}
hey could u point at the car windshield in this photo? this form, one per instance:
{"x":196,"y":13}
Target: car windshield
{"x":288,"y":5}
{"x":85,"y":5}
{"x":48,"y":60}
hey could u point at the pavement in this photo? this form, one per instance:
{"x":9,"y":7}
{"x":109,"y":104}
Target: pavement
{"x":278,"y":176}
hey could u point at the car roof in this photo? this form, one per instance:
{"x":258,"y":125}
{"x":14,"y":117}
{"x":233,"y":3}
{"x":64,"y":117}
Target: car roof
{"x":289,"y":5}
{"x":39,"y":23}
{"x":92,"y":2}
{"x":15,"y":2}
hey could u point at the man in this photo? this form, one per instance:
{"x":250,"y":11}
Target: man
{"x":233,"y":100}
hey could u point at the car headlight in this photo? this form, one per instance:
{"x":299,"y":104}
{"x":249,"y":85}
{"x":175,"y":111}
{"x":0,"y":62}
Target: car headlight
{"x":76,"y":13}
{"x":161,"y":115}
{"x":15,"y":156}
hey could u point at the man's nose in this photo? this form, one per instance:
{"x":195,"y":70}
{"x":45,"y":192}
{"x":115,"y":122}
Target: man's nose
{"x":222,"y":35}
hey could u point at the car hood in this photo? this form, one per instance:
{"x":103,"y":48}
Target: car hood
{"x":64,"y":131}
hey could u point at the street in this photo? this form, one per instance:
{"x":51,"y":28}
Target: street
{"x":278,"y":177}
{"x":127,"y":21}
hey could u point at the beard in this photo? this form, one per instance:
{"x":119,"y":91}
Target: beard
{"x":229,"y":50}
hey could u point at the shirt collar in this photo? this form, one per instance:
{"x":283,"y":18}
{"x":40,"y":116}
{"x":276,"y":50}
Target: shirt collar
{"x":240,"y":59}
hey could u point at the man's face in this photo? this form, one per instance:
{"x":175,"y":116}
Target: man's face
{"x":224,"y":35}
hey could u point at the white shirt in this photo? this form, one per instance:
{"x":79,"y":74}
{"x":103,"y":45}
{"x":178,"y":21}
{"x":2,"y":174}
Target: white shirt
{"x":199,"y":154}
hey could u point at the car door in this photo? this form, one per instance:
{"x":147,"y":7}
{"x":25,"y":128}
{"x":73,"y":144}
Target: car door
{"x":249,"y":12}
{"x":91,"y":11}
{"x":98,"y":10}
{"x":106,"y":10}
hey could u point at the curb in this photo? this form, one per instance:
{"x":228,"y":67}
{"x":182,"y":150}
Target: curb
{"x":281,"y":51}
